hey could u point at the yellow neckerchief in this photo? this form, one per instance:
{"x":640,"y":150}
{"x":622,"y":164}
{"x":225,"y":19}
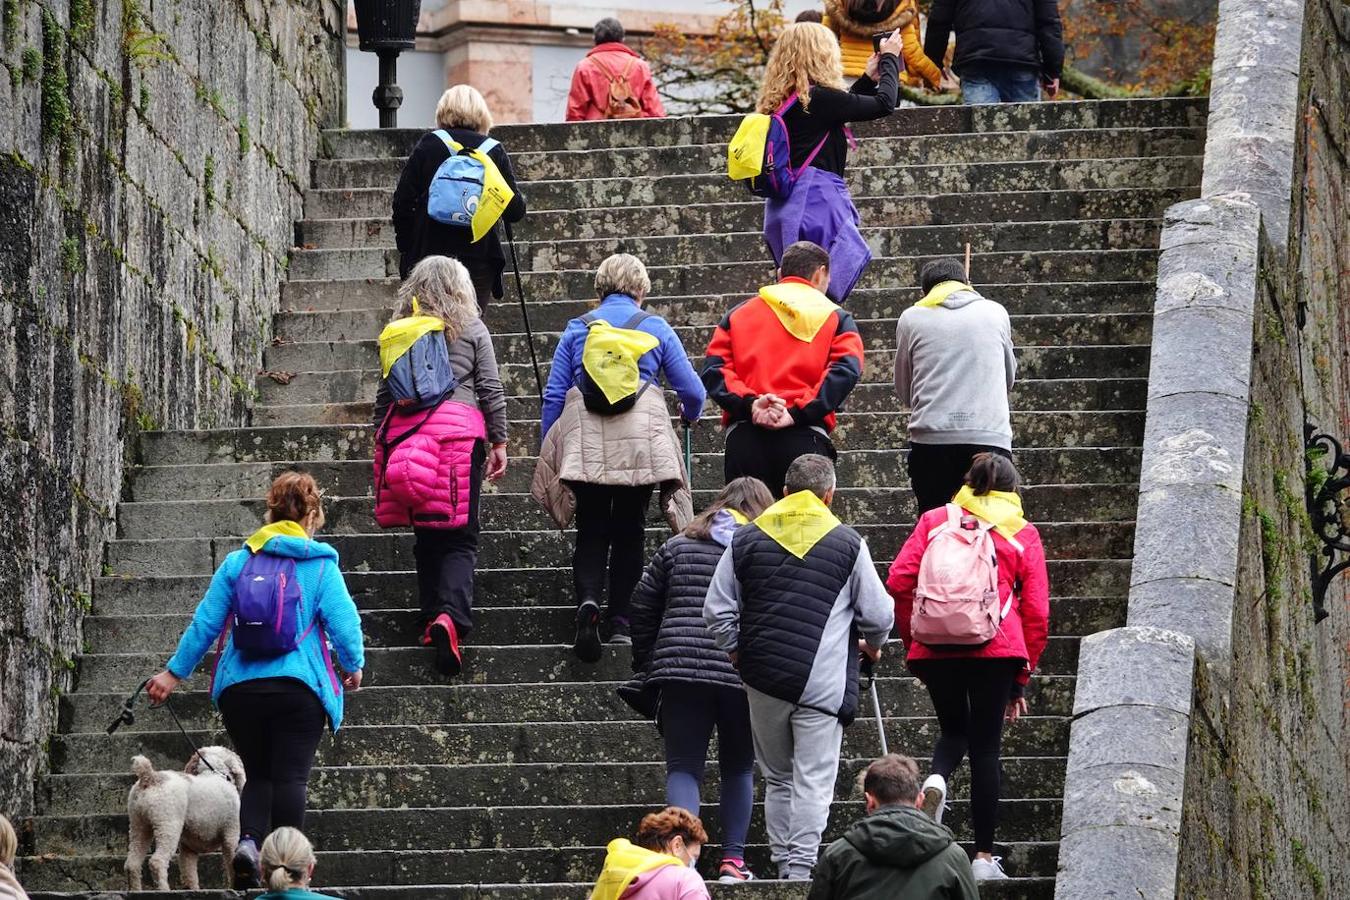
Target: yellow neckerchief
{"x":799,"y":307}
{"x":625,"y":861}
{"x":942,"y":291}
{"x":1002,"y":509}
{"x":284,"y":528}
{"x":610,"y":356}
{"x":736,"y":514}
{"x":399,"y":335}
{"x":797,"y":522}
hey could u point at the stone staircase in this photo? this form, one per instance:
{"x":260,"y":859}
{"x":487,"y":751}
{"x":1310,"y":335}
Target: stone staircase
{"x":508,"y":781}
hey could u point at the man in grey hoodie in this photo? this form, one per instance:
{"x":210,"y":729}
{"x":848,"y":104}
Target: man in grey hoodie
{"x":954,"y":367}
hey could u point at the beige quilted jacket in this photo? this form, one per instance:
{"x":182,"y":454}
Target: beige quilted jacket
{"x":633,"y":448}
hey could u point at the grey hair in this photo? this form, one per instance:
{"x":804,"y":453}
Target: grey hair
{"x":442,"y":288}
{"x":810,"y":472}
{"x":622,"y":273}
{"x":609,"y":30}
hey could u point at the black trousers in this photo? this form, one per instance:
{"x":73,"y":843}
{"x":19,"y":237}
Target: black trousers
{"x":275,"y":725}
{"x":970,"y":698}
{"x":766,"y":453}
{"x":446,"y":559}
{"x":611,"y":522}
{"x":937,"y":471}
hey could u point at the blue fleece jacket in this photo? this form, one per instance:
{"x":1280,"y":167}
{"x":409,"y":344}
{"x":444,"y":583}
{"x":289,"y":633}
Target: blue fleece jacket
{"x":324,"y":595}
{"x":669,"y":358}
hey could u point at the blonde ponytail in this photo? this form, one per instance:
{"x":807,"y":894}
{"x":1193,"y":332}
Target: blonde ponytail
{"x":286,"y":858}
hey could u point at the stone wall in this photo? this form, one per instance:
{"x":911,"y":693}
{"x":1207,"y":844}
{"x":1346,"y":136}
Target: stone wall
{"x":152,"y":157}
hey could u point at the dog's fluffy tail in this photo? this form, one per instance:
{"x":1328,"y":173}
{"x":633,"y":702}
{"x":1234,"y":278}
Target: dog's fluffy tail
{"x":143,"y":769}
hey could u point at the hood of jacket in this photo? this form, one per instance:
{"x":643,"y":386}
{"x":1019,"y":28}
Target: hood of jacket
{"x":950,"y":294}
{"x":724,"y":525}
{"x":625,"y":865}
{"x":287,"y":538}
{"x":901,"y":14}
{"x":898,"y":836}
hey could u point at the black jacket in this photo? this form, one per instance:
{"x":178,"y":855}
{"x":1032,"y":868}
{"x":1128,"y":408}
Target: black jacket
{"x":1026,"y":34}
{"x":418,"y":236}
{"x":895,"y":853}
{"x":670,"y":640}
{"x":831,"y":109}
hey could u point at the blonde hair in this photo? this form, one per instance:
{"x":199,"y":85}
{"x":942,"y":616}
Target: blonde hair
{"x":622,"y":273}
{"x":295,"y":497}
{"x":442,"y":288}
{"x":9,"y":843}
{"x":805,"y":54}
{"x":286,"y":857}
{"x":462,"y":106}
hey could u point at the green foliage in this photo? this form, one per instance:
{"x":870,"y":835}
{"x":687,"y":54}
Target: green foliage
{"x":244,"y":141}
{"x":1309,"y":868}
{"x":56,"y":114}
{"x":209,"y":180}
{"x":11,"y":21}
{"x":32,"y":63}
{"x":81,"y":19}
{"x":71,"y":260}
{"x":143,"y":98}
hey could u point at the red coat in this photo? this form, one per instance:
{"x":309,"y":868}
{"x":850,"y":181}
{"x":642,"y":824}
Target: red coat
{"x":1022,"y":634}
{"x":589,"y":97}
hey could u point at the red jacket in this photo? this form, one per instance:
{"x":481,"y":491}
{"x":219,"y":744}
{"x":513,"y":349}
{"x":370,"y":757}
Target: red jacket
{"x":589,"y":96}
{"x":1022,"y":634}
{"x":751,"y":354}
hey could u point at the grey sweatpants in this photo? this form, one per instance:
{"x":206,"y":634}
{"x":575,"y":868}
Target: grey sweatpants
{"x":798,"y":753}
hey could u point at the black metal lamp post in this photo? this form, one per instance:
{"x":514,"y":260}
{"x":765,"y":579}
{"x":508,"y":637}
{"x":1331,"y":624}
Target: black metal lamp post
{"x":387,"y":27}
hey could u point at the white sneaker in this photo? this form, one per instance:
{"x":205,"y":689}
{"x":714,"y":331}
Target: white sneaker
{"x":935,"y":797}
{"x":988,"y":869}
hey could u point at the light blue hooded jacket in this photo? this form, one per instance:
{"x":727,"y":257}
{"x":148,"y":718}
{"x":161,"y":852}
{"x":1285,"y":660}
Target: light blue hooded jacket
{"x":324,"y":595}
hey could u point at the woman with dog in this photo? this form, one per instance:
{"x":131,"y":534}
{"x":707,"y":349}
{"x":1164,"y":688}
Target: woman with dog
{"x":805,"y":65}
{"x":288,"y":866}
{"x":275,"y":688}
{"x":9,"y":848}
{"x":430,"y":461}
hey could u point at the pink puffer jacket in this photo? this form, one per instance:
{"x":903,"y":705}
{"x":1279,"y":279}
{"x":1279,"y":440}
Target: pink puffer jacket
{"x":423,"y":466}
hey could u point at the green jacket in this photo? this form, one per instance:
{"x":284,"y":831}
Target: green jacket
{"x":895,"y":853}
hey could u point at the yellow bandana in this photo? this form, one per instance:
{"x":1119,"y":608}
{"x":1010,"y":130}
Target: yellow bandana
{"x":284,"y":528}
{"x":399,"y":335}
{"x":610,"y":356}
{"x":799,"y":307}
{"x":623,"y":862}
{"x":737,"y":515}
{"x":942,"y":291}
{"x":797,"y":522}
{"x":1002,"y":509}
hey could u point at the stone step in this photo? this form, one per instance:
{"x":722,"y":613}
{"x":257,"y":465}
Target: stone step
{"x":854,"y":469}
{"x":512,"y":826}
{"x":633,"y":162}
{"x":746,"y":213}
{"x":1063,"y":394}
{"x":1171,"y":112}
{"x":1011,"y":889}
{"x":1033,"y":363}
{"x":493,"y":625}
{"x":578,"y":865}
{"x":503,"y":512}
{"x":539,"y":586}
{"x":1053,"y":329}
{"x":551,"y":255}
{"x":393,"y":552}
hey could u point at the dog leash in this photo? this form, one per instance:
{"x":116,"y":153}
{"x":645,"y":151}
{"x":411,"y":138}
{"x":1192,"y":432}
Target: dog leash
{"x":127,"y":716}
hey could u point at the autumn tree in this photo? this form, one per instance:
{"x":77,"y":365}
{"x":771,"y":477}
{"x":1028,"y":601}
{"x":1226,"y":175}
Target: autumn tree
{"x":1144,"y":46}
{"x":718,"y":72}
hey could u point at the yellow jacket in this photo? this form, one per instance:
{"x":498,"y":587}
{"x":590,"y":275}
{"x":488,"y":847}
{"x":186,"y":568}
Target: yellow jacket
{"x":855,"y":41}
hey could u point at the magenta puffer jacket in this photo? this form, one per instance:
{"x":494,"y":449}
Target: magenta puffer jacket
{"x":423,"y":466}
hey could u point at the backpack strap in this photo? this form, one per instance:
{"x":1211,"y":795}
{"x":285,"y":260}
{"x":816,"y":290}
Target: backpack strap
{"x":454,"y":145}
{"x":488,"y":145}
{"x":636,"y":319}
{"x":787,"y":104}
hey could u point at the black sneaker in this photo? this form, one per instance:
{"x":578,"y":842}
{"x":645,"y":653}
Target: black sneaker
{"x":587,"y":644}
{"x":247,"y":875}
{"x":615,"y":631}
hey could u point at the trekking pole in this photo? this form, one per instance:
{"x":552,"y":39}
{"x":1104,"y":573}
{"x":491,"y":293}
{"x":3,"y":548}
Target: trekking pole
{"x":967,"y":262}
{"x":524,"y":311}
{"x":689,"y":454}
{"x":869,"y":669}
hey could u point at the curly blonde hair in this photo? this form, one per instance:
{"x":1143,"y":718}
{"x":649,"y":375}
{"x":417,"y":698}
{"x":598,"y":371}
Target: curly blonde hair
{"x":805,"y":54}
{"x":442,"y":288}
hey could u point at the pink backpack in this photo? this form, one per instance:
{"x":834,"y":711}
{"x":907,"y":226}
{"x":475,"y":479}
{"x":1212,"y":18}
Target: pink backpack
{"x":956,"y":600}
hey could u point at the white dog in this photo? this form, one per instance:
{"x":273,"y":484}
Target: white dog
{"x":192,"y":812}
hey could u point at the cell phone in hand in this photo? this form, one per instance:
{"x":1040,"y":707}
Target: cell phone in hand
{"x":877,"y":38}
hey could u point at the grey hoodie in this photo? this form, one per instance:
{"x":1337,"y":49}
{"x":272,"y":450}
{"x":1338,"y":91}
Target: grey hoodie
{"x":954,"y":366}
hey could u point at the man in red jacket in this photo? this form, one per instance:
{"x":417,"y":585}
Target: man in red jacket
{"x":612,"y":81}
{"x":781,"y":365}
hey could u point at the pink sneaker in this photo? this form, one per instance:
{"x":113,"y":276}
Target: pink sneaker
{"x":442,"y":635}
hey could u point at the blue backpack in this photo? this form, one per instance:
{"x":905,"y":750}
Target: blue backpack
{"x":457,"y":187}
{"x":265,"y":609}
{"x":777,"y":177}
{"x":415,"y":362}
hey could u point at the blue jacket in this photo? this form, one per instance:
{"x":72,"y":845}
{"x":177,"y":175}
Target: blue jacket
{"x":325,"y":596}
{"x":669,"y":358}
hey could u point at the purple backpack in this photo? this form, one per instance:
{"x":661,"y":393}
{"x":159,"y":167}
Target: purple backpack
{"x":777,"y":177}
{"x":265,"y":610}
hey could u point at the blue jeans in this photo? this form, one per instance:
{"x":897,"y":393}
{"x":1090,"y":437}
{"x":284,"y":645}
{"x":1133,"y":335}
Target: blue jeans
{"x":689,"y":713}
{"x":1000,"y":85}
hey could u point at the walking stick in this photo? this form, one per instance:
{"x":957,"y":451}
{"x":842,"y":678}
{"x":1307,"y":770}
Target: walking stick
{"x":967,"y":262}
{"x":525,"y":312}
{"x":689,"y":455}
{"x":869,"y":670}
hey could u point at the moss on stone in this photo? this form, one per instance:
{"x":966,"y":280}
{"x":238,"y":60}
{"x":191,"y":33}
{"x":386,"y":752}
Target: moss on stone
{"x":10,"y":17}
{"x":81,"y":19}
{"x":209,"y":180}
{"x":55,"y":100}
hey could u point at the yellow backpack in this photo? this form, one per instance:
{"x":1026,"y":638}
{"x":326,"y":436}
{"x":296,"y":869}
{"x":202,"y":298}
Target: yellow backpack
{"x":611,"y":382}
